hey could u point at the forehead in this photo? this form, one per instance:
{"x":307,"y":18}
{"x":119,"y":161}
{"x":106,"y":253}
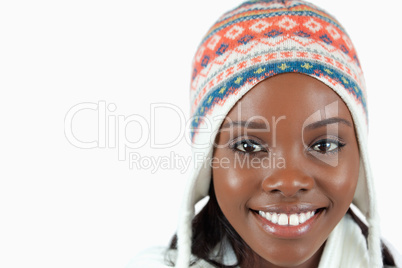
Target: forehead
{"x":297,"y":96}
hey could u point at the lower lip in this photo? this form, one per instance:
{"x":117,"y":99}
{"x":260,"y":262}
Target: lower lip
{"x":288,"y":231}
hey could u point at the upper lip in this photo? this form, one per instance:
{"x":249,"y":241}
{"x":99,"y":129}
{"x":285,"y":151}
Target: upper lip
{"x":289,"y":208}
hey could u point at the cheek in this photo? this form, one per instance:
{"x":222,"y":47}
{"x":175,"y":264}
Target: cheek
{"x":340,"y":182}
{"x":229,"y":185}
{"x":233,"y":186}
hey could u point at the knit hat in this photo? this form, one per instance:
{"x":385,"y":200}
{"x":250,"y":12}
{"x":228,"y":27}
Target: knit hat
{"x":257,"y":40}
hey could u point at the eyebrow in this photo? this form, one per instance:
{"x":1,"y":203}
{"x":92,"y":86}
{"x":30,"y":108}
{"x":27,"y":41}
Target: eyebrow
{"x":249,"y":124}
{"x":328,"y":121}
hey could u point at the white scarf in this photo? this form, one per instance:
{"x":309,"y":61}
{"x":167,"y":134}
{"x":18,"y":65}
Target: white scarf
{"x":346,"y":246}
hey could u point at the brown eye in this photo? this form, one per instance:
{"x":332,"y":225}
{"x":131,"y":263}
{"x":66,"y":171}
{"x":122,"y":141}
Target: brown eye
{"x":248,"y":146}
{"x":327,"y":146}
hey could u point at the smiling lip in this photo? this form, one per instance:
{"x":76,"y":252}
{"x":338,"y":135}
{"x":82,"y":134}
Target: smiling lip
{"x":288,"y":221}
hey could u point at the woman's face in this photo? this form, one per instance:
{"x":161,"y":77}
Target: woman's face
{"x":285,"y":168}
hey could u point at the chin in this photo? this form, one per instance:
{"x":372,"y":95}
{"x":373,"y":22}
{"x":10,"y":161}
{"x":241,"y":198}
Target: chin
{"x":290,"y":257}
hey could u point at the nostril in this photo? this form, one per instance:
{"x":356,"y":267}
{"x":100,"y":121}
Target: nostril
{"x":288,"y":184}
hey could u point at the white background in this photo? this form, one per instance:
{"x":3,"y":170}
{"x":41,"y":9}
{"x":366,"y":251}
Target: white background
{"x":62,"y":206}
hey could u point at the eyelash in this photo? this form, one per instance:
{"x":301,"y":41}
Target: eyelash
{"x":234,"y":146}
{"x":337,"y":142}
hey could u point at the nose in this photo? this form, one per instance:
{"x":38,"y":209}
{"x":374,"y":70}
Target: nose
{"x":288,"y":182}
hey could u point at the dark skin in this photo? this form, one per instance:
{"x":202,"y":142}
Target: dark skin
{"x":316,"y":167}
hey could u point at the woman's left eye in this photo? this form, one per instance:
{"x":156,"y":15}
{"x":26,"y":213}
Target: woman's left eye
{"x":327,"y":146}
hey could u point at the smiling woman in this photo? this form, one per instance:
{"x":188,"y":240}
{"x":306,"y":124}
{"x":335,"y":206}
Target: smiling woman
{"x":285,"y":214}
{"x":286,"y":167}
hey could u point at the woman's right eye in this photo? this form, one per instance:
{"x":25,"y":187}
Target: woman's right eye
{"x":248,"y":146}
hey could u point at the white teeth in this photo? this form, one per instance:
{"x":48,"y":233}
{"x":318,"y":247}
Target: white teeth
{"x":293,"y":219}
{"x":285,"y":219}
{"x":302,"y":218}
{"x":274,"y":218}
